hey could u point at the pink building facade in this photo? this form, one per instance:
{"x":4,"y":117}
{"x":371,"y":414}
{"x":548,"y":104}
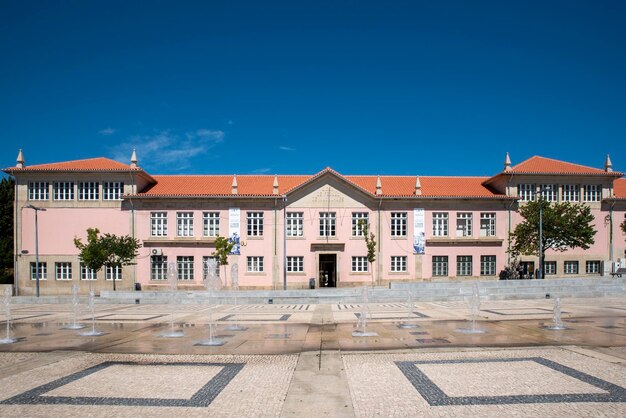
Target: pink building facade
{"x":294,"y":232}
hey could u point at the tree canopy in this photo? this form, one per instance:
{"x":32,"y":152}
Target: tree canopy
{"x":564,"y":226}
{"x":7,"y":191}
{"x":223,"y":247}
{"x":623,"y":225}
{"x":370,"y":243}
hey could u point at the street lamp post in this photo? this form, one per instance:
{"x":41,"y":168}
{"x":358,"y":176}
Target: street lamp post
{"x":542,"y":188}
{"x":37,"y":272}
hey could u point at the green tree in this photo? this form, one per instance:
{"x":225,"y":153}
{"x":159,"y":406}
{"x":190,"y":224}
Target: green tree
{"x":107,"y":250}
{"x":7,"y":192}
{"x":370,"y":243}
{"x":623,"y":225}
{"x":564,"y":226}
{"x":223,"y":247}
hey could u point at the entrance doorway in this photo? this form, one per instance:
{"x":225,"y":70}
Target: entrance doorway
{"x":527,"y":269}
{"x":328,"y":270}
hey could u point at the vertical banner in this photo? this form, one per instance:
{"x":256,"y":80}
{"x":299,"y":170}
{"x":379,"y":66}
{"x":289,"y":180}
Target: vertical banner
{"x":419,"y":239}
{"x":234,"y":225}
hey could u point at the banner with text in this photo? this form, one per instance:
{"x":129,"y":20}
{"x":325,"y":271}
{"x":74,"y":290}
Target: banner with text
{"x":419,"y":240}
{"x":234,"y":226}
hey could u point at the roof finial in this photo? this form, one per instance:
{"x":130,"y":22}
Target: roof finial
{"x":608,"y":165}
{"x":133,"y":159}
{"x":234,"y":186}
{"x":418,"y":186}
{"x":20,"y":159}
{"x":507,"y":162}
{"x":379,"y":187}
{"x":275,"y":185}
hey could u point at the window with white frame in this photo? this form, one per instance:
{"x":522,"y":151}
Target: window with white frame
{"x":360,"y":221}
{"x":88,"y":190}
{"x":295,"y":224}
{"x":255,"y":224}
{"x":158,"y":224}
{"x":549,"y":192}
{"x":63,"y":190}
{"x":255,"y":264}
{"x":86,"y":273}
{"x":63,"y":270}
{"x":328,"y":224}
{"x":359,"y":264}
{"x":158,"y":267}
{"x":205,"y":267}
{"x":398,"y":224}
{"x":526,"y":192}
{"x":592,"y":267}
{"x":43,"y":271}
{"x":593,"y":192}
{"x":38,"y":190}
{"x":487,"y":265}
{"x":184,"y":224}
{"x":464,"y":224}
{"x":440,"y":224}
{"x":488,"y":224}
{"x":570,"y":267}
{"x":549,"y":267}
{"x":571,"y":193}
{"x":295,"y":264}
{"x":440,"y":265}
{"x":211,"y":224}
{"x":185,"y":267}
{"x":398,"y":263}
{"x":112,"y":190}
{"x":113,"y":273}
{"x":463,"y":265}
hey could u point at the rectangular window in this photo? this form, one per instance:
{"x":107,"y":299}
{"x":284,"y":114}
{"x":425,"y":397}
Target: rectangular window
{"x":549,"y":192}
{"x":185,"y":267}
{"x":488,"y":224}
{"x":359,"y":222}
{"x":440,"y":265}
{"x":87,"y":273}
{"x":526,"y":192}
{"x":398,"y":224}
{"x":255,"y":264}
{"x":88,"y":190}
{"x":593,"y":192}
{"x":592,"y":267}
{"x":398,"y":263}
{"x":487,"y":265}
{"x":38,"y":190}
{"x":112,"y":190}
{"x":63,"y":271}
{"x":184,"y":224}
{"x":63,"y":190}
{"x":158,"y":267}
{"x":211,"y":224}
{"x":570,"y":267}
{"x":359,"y":264}
{"x":255,"y":224}
{"x":205,"y":267}
{"x":571,"y":193}
{"x":440,"y":224}
{"x":463,"y":265}
{"x":328,"y":223}
{"x":464,"y":224}
{"x":295,"y":264}
{"x":113,"y":273}
{"x":295,"y":224}
{"x":158,"y":224}
{"x":43,"y":271}
{"x":549,"y":267}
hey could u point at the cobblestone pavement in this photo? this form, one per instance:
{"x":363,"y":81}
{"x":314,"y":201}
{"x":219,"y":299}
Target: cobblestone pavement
{"x":302,"y":361}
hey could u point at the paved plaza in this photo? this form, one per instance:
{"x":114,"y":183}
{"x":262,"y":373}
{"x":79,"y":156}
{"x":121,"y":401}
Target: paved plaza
{"x":302,"y":360}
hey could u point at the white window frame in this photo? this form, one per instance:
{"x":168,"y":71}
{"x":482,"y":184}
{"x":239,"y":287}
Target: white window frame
{"x":111,"y":272}
{"x":357,"y":223}
{"x":571,"y":193}
{"x":464,"y":265}
{"x":86,"y":273}
{"x":158,"y":224}
{"x":398,"y":224}
{"x":593,"y":266}
{"x":63,"y":190}
{"x":549,"y":192}
{"x":570,"y":267}
{"x":255,"y":264}
{"x":328,"y":224}
{"x":112,"y":190}
{"x":549,"y":267}
{"x":88,"y":190}
{"x":295,"y":264}
{"x":38,"y":190}
{"x":440,"y":265}
{"x":526,"y":192}
{"x":487,"y":265}
{"x":488,"y":224}
{"x":210,"y":224}
{"x":43,"y":270}
{"x":185,"y":264}
{"x":255,"y":224}
{"x":360,"y":264}
{"x":295,"y":224}
{"x":63,"y":270}
{"x":440,"y":224}
{"x":158,"y":267}
{"x":398,"y":263}
{"x":593,"y":193}
{"x":184,"y":224}
{"x":464,"y":224}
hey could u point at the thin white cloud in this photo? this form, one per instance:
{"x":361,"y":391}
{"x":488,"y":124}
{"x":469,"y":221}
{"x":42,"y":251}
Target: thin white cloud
{"x":107,"y":131}
{"x":285,"y":148}
{"x":261,"y":171}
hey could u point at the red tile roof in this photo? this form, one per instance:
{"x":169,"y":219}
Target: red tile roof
{"x":619,"y":188}
{"x":542,"y":165}
{"x":90,"y":164}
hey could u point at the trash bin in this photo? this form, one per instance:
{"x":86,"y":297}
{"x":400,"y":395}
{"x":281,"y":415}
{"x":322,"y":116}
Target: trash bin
{"x":138,"y":287}
{"x":312,"y":283}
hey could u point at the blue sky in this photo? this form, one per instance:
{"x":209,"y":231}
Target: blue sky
{"x":290,"y":87}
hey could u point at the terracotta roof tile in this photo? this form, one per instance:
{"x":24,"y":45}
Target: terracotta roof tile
{"x":619,"y":188}
{"x":90,"y":164}
{"x":542,"y":165}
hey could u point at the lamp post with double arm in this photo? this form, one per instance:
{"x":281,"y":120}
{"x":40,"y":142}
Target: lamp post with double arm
{"x":37,"y":272}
